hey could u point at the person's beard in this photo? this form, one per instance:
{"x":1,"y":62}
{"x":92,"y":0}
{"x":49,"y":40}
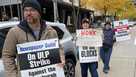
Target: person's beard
{"x":35,"y":20}
{"x":32,"y":20}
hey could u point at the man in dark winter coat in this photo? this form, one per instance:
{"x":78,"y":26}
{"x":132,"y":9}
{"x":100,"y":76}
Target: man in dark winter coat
{"x":106,"y":49}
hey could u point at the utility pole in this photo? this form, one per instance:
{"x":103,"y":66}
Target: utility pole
{"x":75,"y":13}
{"x":55,"y":10}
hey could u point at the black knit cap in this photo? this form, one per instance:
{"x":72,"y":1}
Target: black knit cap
{"x":32,"y":3}
{"x":108,"y":23}
{"x":85,"y":20}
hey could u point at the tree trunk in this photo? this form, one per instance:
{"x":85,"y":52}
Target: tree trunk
{"x":105,"y":13}
{"x":75,"y":14}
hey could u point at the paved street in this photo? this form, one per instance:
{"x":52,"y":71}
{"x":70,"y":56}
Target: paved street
{"x":123,"y":60}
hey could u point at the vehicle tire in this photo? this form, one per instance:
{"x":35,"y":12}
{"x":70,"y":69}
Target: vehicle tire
{"x":69,"y":68}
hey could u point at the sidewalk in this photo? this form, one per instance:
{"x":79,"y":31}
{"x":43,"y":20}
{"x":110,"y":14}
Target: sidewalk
{"x":123,"y":59}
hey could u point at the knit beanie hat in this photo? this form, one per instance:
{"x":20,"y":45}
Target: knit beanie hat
{"x":32,"y":3}
{"x":85,"y":20}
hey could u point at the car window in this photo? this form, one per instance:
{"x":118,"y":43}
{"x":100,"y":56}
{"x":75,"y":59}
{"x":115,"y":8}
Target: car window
{"x":59,"y":32}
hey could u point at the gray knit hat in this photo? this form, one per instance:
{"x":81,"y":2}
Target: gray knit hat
{"x":32,"y":3}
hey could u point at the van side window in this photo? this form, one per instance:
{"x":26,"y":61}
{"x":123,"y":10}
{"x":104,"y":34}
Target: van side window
{"x":59,"y":32}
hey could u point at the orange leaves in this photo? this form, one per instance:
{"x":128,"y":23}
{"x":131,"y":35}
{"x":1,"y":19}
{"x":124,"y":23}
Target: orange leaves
{"x":110,"y":7}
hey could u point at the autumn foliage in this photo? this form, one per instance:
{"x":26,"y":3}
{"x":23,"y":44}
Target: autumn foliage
{"x":121,"y":8}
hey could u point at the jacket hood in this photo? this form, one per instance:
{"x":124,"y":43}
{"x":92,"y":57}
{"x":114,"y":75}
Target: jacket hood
{"x":25,"y":27}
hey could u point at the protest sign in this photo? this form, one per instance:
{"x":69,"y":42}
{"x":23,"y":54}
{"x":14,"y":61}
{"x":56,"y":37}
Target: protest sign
{"x":89,"y":37}
{"x":40,"y":59}
{"x":88,"y":41}
{"x":121,"y":30}
{"x":88,"y":54}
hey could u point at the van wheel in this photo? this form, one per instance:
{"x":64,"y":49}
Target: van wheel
{"x":69,"y":68}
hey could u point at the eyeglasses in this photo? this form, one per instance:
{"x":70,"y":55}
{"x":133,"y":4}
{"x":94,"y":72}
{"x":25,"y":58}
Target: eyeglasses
{"x":29,"y":9}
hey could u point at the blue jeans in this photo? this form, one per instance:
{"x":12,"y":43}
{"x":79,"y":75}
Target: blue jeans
{"x":105,"y":56}
{"x":92,"y":67}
